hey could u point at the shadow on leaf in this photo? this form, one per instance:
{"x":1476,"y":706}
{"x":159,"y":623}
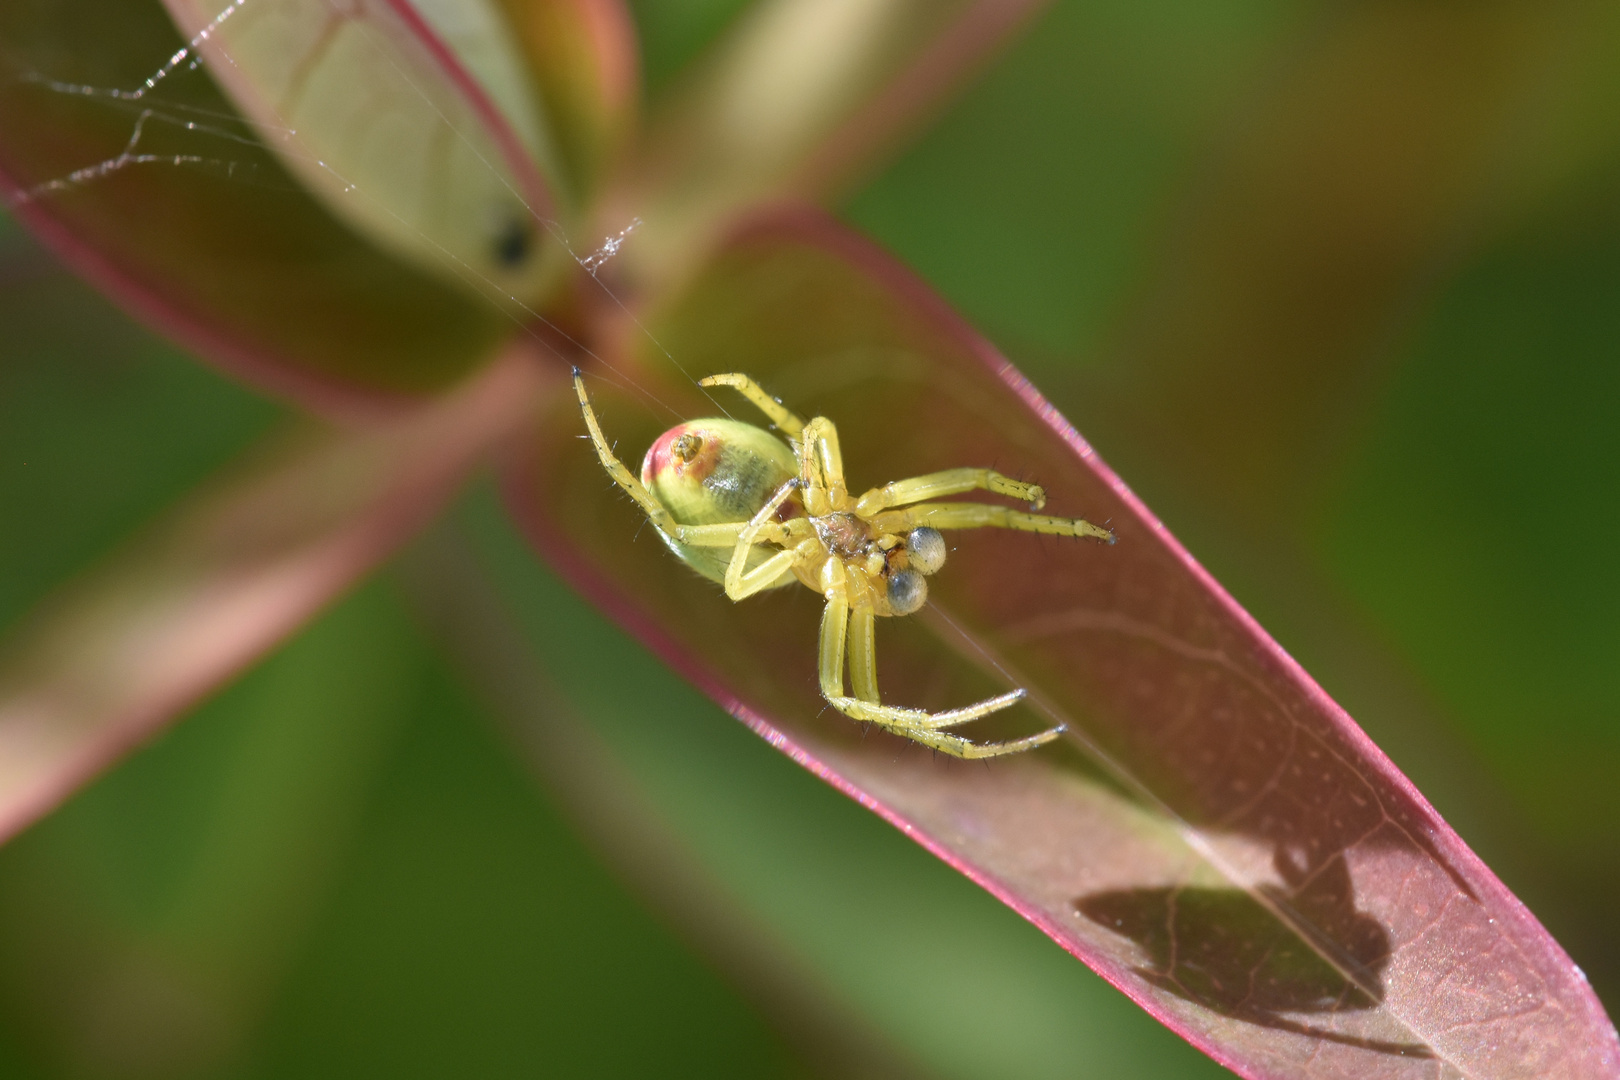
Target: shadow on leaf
{"x":1228,"y":950}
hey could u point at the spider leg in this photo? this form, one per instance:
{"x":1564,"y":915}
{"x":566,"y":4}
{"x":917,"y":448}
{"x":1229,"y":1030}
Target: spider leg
{"x":948,"y":482}
{"x":956,"y":746}
{"x":969,"y":515}
{"x":834,"y":623}
{"x":748,"y":388}
{"x":741,"y":582}
{"x":725,"y":535}
{"x":837,"y":622}
{"x":907,"y":721}
{"x":622,"y":476}
{"x":761,"y":577}
{"x":822,"y":467}
{"x":863,"y":654}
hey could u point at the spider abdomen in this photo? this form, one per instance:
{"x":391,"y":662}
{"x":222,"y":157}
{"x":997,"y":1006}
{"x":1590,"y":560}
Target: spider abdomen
{"x":706,"y":472}
{"x":709,"y":472}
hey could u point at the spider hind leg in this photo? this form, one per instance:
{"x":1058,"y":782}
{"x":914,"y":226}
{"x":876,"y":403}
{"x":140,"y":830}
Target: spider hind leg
{"x":621,"y":474}
{"x":779,"y":414}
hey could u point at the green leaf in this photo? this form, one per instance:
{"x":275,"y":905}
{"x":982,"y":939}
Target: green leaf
{"x":798,"y":99}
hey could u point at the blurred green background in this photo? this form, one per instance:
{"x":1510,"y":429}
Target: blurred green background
{"x":1335,"y":287}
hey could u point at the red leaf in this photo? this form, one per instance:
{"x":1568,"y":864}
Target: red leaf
{"x":1214,"y":835}
{"x":222,"y":580}
{"x":414,"y":123}
{"x":222,"y":250}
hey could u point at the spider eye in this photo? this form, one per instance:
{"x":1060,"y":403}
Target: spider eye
{"x":926,"y":548}
{"x":908,"y":592}
{"x":686,"y":447}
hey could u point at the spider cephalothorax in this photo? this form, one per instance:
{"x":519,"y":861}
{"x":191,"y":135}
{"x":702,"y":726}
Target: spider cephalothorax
{"x":743,"y":508}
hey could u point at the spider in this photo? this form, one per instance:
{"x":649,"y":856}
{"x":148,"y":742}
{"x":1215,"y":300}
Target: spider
{"x":742,"y":508}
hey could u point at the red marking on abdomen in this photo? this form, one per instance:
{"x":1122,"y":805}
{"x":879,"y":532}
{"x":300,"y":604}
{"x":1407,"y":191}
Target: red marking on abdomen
{"x":661,"y":457}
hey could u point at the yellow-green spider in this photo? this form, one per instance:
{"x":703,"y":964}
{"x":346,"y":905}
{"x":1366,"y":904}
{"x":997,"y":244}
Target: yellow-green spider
{"x":743,"y":508}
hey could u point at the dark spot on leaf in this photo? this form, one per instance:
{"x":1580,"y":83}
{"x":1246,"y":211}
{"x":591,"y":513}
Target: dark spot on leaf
{"x":513,"y":244}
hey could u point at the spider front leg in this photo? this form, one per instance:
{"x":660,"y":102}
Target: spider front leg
{"x":915,"y":724}
{"x":970,"y":515}
{"x":956,"y":746}
{"x":948,"y":482}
